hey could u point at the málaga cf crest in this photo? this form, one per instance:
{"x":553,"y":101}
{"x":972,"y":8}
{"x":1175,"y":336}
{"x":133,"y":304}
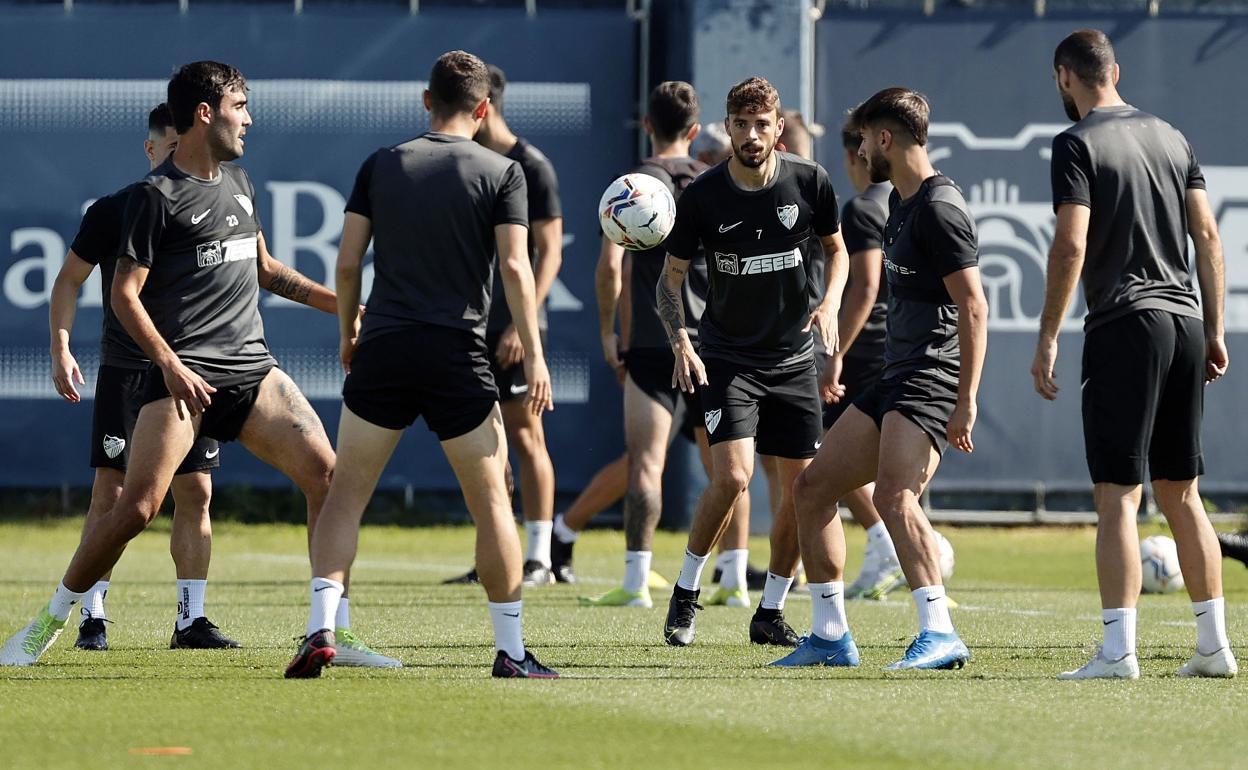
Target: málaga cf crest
{"x":788,"y":215}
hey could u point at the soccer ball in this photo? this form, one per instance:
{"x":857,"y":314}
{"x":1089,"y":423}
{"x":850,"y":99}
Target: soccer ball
{"x":637,"y":212}
{"x":1159,"y":559}
{"x":946,"y":556}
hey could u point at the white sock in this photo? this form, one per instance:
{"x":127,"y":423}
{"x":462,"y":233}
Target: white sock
{"x":506,"y":619}
{"x":827,"y":609}
{"x":691,"y":571}
{"x":1119,"y":629}
{"x":777,"y":590}
{"x":933,"y":609}
{"x":93,"y":602}
{"x":325,"y":596}
{"x":566,"y":534}
{"x":637,"y":570}
{"x":733,"y":563}
{"x":721,"y":560}
{"x":1210,"y":625}
{"x":879,"y":539}
{"x":63,"y":602}
{"x":538,"y":534}
{"x":342,"y":618}
{"x":190,"y":602}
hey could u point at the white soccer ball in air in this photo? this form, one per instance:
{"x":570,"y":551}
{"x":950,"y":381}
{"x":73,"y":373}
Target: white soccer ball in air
{"x":637,"y":212}
{"x":946,"y":556}
{"x":1159,"y":560}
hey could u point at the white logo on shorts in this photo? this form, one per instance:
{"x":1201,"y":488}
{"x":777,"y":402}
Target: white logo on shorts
{"x":211,"y":453}
{"x":113,"y":446}
{"x":517,"y":390}
{"x":712,"y":419}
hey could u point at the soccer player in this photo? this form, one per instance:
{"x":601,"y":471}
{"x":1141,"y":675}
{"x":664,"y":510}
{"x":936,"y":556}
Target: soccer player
{"x":895,"y":432}
{"x":1128,"y":191}
{"x":438,"y":209}
{"x":523,"y":426}
{"x":191,"y":246}
{"x":859,"y":364}
{"x":119,"y":385}
{"x":653,"y":408}
{"x":757,"y":218}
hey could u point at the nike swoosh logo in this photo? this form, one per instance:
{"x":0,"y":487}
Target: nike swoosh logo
{"x":931,"y":599}
{"x":200,"y":218}
{"x":1198,"y":614}
{"x":827,"y":596}
{"x":212,"y":453}
{"x":318,"y":590}
{"x":518,"y":389}
{"x":818,"y":444}
{"x":724,"y":229}
{"x":508,"y":614}
{"x":1108,"y":622}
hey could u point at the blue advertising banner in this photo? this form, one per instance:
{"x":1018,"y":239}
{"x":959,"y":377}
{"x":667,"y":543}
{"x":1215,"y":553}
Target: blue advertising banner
{"x":327,"y":87}
{"x":995,"y":111}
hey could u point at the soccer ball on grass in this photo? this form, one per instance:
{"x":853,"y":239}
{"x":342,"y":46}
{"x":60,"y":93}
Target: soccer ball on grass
{"x":1159,"y":560}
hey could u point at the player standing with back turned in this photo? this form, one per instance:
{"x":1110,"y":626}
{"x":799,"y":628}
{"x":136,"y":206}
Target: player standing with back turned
{"x":1128,"y":191}
{"x":439,"y":208}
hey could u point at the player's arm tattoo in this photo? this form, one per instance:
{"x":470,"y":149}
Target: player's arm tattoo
{"x":291,"y":284}
{"x":670,"y":306}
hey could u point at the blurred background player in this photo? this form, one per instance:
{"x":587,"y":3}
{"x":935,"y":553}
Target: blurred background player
{"x":118,"y":398}
{"x":896,"y":431}
{"x":1128,"y":191}
{"x":755,"y":219}
{"x":440,"y":210}
{"x":524,"y":427}
{"x":653,"y":408}
{"x":711,"y":146}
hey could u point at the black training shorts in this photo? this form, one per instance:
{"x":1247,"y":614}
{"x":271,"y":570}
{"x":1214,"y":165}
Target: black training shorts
{"x":779,"y":406}
{"x":926,"y":398}
{"x":510,"y":382}
{"x":231,"y":404}
{"x":118,"y":399}
{"x":1143,"y":397}
{"x":426,"y":370}
{"x":858,"y":375}
{"x":651,"y":369}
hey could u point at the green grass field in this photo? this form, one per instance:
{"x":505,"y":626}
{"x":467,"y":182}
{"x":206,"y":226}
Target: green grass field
{"x":1029,"y":609}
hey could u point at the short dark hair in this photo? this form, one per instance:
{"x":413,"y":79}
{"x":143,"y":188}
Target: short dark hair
{"x":754,"y":95}
{"x":673,"y":109}
{"x":851,"y":132}
{"x":1087,"y":53}
{"x":159,"y":119}
{"x":896,"y":108}
{"x":498,"y":84}
{"x":200,"y":82}
{"x":458,"y":83}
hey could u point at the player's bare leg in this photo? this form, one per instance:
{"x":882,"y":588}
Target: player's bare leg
{"x":907,"y":461}
{"x":1201,"y":561}
{"x":732,"y":567}
{"x":733,"y":464}
{"x":537,"y":487}
{"x":190,"y":545}
{"x":105,"y":490}
{"x":846,"y":460}
{"x":161,"y":440}
{"x":881,"y":569}
{"x":646,"y":428}
{"x":605,"y":488}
